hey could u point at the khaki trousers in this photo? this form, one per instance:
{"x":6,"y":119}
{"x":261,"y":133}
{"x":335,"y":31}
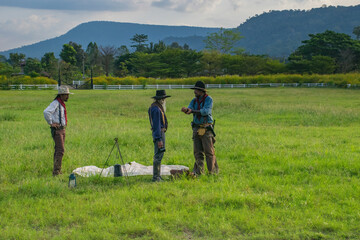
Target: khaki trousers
{"x":204,"y":146}
{"x":59,"y":139}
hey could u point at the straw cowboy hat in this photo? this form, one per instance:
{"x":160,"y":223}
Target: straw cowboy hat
{"x":63,"y":90}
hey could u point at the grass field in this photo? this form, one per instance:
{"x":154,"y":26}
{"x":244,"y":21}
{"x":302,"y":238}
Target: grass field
{"x":289,"y":167}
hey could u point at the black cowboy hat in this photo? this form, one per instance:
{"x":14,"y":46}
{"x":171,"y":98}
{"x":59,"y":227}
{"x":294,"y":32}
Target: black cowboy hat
{"x":200,"y":85}
{"x":160,"y":94}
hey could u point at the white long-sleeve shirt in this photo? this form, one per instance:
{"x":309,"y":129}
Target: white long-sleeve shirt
{"x":51,"y":113}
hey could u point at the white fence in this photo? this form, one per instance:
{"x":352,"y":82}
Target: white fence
{"x":166,"y":86}
{"x":209,"y":86}
{"x":33,"y":86}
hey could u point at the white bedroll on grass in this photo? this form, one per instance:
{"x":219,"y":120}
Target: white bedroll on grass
{"x":129,"y":169}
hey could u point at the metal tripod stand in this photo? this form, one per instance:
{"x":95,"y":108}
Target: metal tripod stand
{"x":122,"y":161}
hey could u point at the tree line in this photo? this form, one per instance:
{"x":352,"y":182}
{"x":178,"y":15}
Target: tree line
{"x":323,"y":53}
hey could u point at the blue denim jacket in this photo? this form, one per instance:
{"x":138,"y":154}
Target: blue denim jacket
{"x":155,"y":118}
{"x":205,"y":110}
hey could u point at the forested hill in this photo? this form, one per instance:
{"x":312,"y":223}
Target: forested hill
{"x":275,"y":33}
{"x":109,"y":34}
{"x":278,"y":33}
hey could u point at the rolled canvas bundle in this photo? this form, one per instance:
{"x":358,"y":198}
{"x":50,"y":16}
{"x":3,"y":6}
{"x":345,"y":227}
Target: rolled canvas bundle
{"x":129,"y":169}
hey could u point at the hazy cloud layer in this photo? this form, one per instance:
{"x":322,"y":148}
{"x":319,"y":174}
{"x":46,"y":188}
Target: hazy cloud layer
{"x":176,"y":5}
{"x":85,"y":5}
{"x":187,"y":5}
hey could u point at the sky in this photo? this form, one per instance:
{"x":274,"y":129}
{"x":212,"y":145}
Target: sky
{"x":23,"y":22}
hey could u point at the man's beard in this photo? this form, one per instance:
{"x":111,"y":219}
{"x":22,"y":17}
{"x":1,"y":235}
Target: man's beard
{"x":164,"y":105}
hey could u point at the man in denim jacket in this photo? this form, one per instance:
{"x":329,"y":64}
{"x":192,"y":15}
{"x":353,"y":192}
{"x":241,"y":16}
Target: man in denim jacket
{"x":159,"y":124}
{"x":203,"y":130}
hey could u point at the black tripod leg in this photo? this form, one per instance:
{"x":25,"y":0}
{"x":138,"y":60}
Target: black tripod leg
{"x":107,"y":159}
{"x":122,"y":161}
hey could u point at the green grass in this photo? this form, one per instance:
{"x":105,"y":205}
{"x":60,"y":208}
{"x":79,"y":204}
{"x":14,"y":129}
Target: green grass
{"x":289,"y":167}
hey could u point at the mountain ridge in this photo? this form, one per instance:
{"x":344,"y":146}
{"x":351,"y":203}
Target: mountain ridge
{"x":108,"y":33}
{"x":274,"y":33}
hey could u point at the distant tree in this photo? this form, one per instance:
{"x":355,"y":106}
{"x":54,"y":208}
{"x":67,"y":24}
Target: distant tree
{"x":274,"y":66}
{"x":6,"y":69}
{"x":172,"y":59}
{"x":347,"y":60}
{"x":159,"y":47}
{"x":148,"y":65}
{"x":139,"y":42}
{"x":175,"y":45}
{"x":123,"y":50}
{"x":122,"y":65}
{"x":318,"y":64}
{"x":16,"y":59}
{"x":93,"y":60}
{"x":32,"y":67}
{"x":68,"y":54}
{"x":69,"y":72}
{"x":108,"y":53}
{"x":80,"y":55}
{"x":322,"y":65}
{"x":3,"y":58}
{"x":190,"y":62}
{"x":297,"y":64}
{"x":49,"y":64}
{"x":356,"y":31}
{"x":330,"y":44}
{"x":223,"y":41}
{"x":244,"y":64}
{"x":211,"y":63}
{"x":186,"y":47}
{"x":93,"y":54}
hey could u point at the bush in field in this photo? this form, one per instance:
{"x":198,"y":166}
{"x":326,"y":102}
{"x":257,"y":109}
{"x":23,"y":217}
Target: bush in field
{"x":26,"y":80}
{"x":332,"y":79}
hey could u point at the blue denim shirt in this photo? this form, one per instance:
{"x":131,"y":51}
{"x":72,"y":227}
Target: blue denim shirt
{"x":205,"y":110}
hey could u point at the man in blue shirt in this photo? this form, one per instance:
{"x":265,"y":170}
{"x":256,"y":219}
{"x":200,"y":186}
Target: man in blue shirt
{"x":159,"y":124}
{"x":203,"y":130}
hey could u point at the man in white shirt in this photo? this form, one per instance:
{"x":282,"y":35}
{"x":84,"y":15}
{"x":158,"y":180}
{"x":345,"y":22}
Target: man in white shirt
{"x":56,"y":116}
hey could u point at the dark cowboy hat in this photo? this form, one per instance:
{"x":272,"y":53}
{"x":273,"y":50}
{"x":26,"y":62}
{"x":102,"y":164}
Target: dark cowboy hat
{"x":160,"y":94}
{"x":200,"y":85}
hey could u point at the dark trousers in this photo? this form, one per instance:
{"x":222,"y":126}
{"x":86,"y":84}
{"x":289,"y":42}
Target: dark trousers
{"x":204,"y":145}
{"x":157,"y":158}
{"x":59,"y":139}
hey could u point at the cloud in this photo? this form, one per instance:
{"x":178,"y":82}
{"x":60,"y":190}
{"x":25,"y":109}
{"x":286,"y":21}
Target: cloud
{"x":186,"y":5}
{"x":33,"y":23}
{"x":83,"y":5}
{"x":19,"y":31}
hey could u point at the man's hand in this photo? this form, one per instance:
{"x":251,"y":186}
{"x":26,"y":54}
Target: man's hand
{"x":55,"y":125}
{"x":186,"y":110}
{"x":160,"y":144}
